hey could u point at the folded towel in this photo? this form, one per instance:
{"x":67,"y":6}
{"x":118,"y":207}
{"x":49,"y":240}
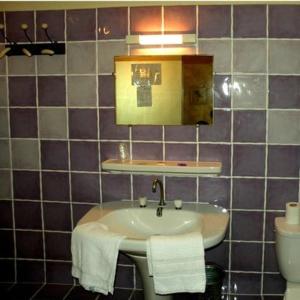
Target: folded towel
{"x":94,"y":256}
{"x":177,"y":263}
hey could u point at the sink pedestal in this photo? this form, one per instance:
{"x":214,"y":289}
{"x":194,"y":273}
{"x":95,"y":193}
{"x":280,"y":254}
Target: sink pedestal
{"x":148,"y":284}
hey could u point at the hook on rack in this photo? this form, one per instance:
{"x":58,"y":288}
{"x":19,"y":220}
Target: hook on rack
{"x":25,"y":27}
{"x":4,"y":51}
{"x":47,"y":51}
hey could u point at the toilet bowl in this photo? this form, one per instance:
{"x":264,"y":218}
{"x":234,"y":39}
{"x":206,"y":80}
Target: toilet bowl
{"x":287,"y":251}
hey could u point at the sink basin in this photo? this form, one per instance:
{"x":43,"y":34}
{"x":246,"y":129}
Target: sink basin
{"x":138,"y":224}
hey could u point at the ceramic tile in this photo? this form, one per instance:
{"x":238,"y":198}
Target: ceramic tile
{"x":23,"y":123}
{"x":29,"y":244}
{"x":84,"y":156}
{"x":222,"y":91}
{"x":6,"y":218}
{"x":180,"y":133}
{"x":180,"y":151}
{"x":249,"y":56}
{"x":284,"y":91}
{"x":284,"y":21}
{"x":4,"y":123}
{"x":186,"y":192}
{"x":270,"y":228}
{"x":21,"y":65}
{"x":81,"y":58}
{"x":81,"y":24}
{"x":2,"y":63}
{"x":218,"y":255}
{"x":180,"y":19}
{"x":283,"y":56}
{"x":249,"y":21}
{"x":52,"y":90}
{"x":57,"y":245}
{"x":83,"y":123}
{"x":283,"y":161}
{"x":220,"y":49}
{"x":270,"y":263}
{"x":110,"y":150}
{"x":53,"y":292}
{"x":85,"y":187}
{"x":82,"y":91}
{"x":284,"y":127}
{"x":246,"y":284}
{"x":249,"y":91}
{"x":55,"y":186}
{"x":57,"y":216}
{"x":150,"y":23}
{"x":112,"y":23}
{"x":8,"y":270}
{"x":79,"y":293}
{"x":5,"y":187}
{"x":22,"y":91}
{"x":27,"y":215}
{"x":274,"y":283}
{"x":59,"y":271}
{"x":25,"y":154}
{"x":53,"y":123}
{"x":5,"y":154}
{"x":147,"y":151}
{"x":248,"y":160}
{"x":23,"y":290}
{"x":51,"y":64}
{"x":106,"y":53}
{"x":120,"y":180}
{"x":79,"y":210}
{"x":26,"y":185}
{"x":214,"y":21}
{"x":147,"y":132}
{"x":106,"y":90}
{"x":7,"y":248}
{"x":56,"y":25}
{"x":3,"y":92}
{"x":124,"y":277}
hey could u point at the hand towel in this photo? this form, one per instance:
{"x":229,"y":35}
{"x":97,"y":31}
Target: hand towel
{"x":94,"y":256}
{"x":177,"y":263}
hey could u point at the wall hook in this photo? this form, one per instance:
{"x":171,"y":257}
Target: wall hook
{"x":4,"y":51}
{"x":25,"y":27}
{"x":47,"y":51}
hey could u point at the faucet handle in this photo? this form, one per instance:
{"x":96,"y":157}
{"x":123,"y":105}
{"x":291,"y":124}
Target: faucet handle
{"x":143,"y":201}
{"x":178,"y":204}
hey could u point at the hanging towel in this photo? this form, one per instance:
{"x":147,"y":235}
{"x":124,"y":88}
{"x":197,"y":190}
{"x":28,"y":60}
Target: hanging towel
{"x":177,"y":263}
{"x":94,"y":256}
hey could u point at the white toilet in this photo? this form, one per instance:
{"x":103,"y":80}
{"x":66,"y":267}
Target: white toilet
{"x":288,"y":256}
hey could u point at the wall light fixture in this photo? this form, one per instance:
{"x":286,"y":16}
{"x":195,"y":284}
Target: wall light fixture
{"x":161,"y":39}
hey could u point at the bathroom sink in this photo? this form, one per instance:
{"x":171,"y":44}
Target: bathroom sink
{"x":138,"y":224}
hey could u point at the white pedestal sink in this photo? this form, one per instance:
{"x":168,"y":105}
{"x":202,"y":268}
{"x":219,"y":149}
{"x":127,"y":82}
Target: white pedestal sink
{"x":138,"y":224}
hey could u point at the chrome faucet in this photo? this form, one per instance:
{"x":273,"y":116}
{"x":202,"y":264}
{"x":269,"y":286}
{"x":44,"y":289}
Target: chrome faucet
{"x":161,"y":198}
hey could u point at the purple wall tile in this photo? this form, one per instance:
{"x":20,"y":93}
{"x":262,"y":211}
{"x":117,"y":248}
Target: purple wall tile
{"x":249,"y":126}
{"x":284,"y":91}
{"x":248,"y":160}
{"x":180,"y":188}
{"x":22,"y":91}
{"x":246,"y":284}
{"x":180,"y":133}
{"x":274,"y":283}
{"x":6,"y":214}
{"x":219,"y":131}
{"x":218,"y":255}
{"x":109,"y":150}
{"x":57,"y":216}
{"x":270,"y":263}
{"x":241,"y":229}
{"x":52,"y":90}
{"x":249,"y":21}
{"x":109,"y":181}
{"x":208,"y":152}
{"x":30,"y":271}
{"x":29,"y":244}
{"x":23,"y":123}
{"x":28,"y":215}
{"x":83,"y":123}
{"x":58,"y":272}
{"x":1,"y":22}
{"x":58,"y":245}
{"x":8,"y":270}
{"x":147,"y":151}
{"x":81,"y":24}
{"x":180,"y":151}
{"x":7,"y":243}
{"x":283,"y":161}
{"x":53,"y":291}
{"x":84,"y":156}
{"x":79,"y":210}
{"x":14,"y":20}
{"x":284,"y":21}
{"x":214,"y":21}
{"x":149,"y":23}
{"x":54,"y":155}
{"x":246,"y":256}
{"x":147,"y":133}
{"x":248,"y":193}
{"x":215,"y":191}
{"x":270,"y":228}
{"x":112,"y":23}
{"x":222,"y":91}
{"x":55,"y":186}
{"x":79,"y":292}
{"x":56,"y":25}
{"x":106,"y":90}
{"x":142,"y":187}
{"x":180,"y":19}
{"x":26,"y":185}
{"x":108,"y":129}
{"x":124,"y":277}
{"x":85,"y":187}
{"x":280,"y":191}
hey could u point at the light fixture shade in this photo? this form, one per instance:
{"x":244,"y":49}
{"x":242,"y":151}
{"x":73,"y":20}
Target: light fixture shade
{"x":161,"y":39}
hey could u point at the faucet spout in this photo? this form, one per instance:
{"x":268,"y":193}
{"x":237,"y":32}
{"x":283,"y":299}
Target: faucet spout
{"x":154,"y":187}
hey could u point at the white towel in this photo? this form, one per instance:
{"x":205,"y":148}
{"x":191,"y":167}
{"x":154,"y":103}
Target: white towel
{"x":94,"y":256}
{"x":177,"y":263}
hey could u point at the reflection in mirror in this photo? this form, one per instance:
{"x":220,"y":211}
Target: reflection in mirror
{"x":164,"y":90}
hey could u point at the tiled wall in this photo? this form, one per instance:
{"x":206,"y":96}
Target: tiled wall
{"x":57,"y":124}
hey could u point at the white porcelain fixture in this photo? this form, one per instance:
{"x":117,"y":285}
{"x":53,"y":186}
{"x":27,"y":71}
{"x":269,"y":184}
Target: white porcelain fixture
{"x":176,"y":168}
{"x":287,"y":250}
{"x":127,"y":218}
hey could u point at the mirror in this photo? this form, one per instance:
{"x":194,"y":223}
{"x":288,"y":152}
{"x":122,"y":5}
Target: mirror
{"x":164,"y":90}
